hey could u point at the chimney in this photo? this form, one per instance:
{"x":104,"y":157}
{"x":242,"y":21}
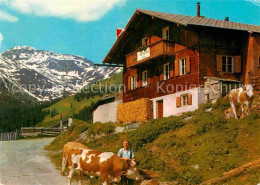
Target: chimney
{"x":118,"y":31}
{"x":198,"y":9}
{"x":227,"y":19}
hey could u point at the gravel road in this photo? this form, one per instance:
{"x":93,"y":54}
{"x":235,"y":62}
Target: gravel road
{"x":24,"y":162}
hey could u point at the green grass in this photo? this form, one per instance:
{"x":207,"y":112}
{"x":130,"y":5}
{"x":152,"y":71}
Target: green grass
{"x":174,"y":147}
{"x":71,"y":134}
{"x":116,"y":79}
{"x":66,"y":107}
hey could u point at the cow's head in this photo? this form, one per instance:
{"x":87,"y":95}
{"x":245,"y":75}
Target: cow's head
{"x":132,"y":170}
{"x":249,"y":90}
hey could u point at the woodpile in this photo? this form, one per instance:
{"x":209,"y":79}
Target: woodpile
{"x":135,"y":111}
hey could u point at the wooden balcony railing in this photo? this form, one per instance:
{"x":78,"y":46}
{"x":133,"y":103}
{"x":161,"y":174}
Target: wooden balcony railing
{"x":157,"y":49}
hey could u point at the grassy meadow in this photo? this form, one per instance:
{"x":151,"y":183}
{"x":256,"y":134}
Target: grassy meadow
{"x":185,"y":151}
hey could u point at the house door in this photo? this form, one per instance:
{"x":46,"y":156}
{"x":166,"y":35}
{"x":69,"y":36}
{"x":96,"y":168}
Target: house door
{"x":160,"y":109}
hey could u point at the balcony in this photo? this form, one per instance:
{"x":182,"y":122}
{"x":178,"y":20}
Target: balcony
{"x":155,"y":50}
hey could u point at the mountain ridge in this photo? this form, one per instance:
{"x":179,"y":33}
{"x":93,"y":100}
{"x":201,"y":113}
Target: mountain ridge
{"x":45,"y":75}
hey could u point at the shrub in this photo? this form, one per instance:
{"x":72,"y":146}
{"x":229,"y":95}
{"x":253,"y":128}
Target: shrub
{"x":150,"y":131}
{"x":70,"y":135}
{"x":101,"y":128}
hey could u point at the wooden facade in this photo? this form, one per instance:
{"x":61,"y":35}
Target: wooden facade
{"x":205,"y":51}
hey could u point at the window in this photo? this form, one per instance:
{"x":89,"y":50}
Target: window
{"x":166,"y":71}
{"x":228,"y":64}
{"x":144,"y":42}
{"x":132,"y":82}
{"x":206,"y":97}
{"x":166,"y":34}
{"x":184,"y":100}
{"x":182,"y":66}
{"x":144,"y":78}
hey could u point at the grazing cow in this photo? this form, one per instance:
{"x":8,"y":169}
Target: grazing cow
{"x":65,"y":152}
{"x":107,"y":165}
{"x":241,"y":97}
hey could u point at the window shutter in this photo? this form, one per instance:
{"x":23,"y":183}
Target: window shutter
{"x":177,"y":68}
{"x":219,"y":63}
{"x":129,"y":83}
{"x":148,"y":76}
{"x":188,"y":64}
{"x":137,"y":82}
{"x":178,"y":101}
{"x":189,"y":99}
{"x":162,"y":76}
{"x":161,"y":71}
{"x":171,"y":70}
{"x":237,"y":64}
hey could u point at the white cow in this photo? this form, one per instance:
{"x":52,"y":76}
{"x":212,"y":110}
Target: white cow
{"x":241,"y":97}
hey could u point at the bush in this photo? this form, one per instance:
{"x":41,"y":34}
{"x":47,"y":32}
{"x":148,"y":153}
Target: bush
{"x":222,"y":104}
{"x":101,"y":128}
{"x":150,"y":131}
{"x":71,"y":134}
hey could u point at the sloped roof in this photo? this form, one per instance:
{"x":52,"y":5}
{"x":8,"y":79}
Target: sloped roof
{"x":201,"y":21}
{"x":104,"y":100}
{"x":185,"y":21}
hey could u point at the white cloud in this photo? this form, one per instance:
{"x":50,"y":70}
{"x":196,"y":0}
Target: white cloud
{"x":7,"y":17}
{"x":256,"y":2}
{"x":80,"y":10}
{"x":1,"y":39}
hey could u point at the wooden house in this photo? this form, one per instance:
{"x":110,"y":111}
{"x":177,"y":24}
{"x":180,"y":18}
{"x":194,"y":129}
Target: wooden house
{"x":179,"y":61}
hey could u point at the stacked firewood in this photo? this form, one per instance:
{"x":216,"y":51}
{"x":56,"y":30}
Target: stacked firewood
{"x":136,"y":111}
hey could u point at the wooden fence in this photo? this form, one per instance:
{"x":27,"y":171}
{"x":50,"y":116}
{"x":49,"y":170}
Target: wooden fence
{"x":41,"y":131}
{"x":8,"y":136}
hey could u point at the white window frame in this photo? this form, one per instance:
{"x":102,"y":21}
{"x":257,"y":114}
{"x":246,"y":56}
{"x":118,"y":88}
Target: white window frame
{"x":132,"y":83}
{"x":144,"y":42}
{"x":184,"y":100}
{"x":166,"y":75}
{"x":182,"y":66}
{"x":232,"y":64}
{"x":145,"y":78}
{"x":166,"y":33}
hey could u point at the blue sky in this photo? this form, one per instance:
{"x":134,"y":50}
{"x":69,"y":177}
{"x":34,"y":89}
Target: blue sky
{"x":87,"y":27}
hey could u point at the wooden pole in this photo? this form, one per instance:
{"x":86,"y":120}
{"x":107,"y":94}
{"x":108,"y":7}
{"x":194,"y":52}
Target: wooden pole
{"x":232,"y":173}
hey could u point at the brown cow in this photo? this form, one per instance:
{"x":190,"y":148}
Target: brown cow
{"x":241,"y":97}
{"x":65,"y":152}
{"x":107,"y":165}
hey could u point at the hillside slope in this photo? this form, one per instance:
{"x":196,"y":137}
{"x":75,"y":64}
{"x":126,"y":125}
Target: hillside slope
{"x":188,"y":149}
{"x":18,"y":111}
{"x":73,"y":104}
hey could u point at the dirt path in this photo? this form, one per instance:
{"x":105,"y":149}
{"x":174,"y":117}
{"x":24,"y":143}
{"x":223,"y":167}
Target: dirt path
{"x":25,"y":162}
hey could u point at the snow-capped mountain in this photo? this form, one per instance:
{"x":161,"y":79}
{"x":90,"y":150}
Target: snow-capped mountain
{"x":46,"y":75}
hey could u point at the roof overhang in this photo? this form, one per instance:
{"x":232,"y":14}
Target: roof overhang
{"x":122,"y":35}
{"x":180,"y":20}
